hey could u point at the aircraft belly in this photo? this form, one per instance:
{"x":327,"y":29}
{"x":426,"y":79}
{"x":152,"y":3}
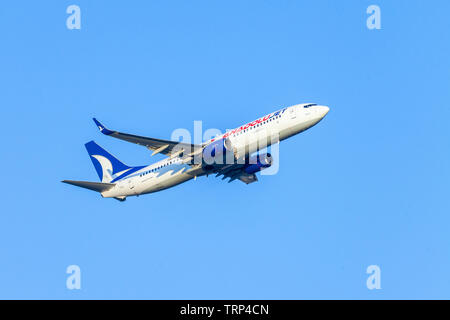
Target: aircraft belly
{"x":304,"y":126}
{"x":166,"y":181}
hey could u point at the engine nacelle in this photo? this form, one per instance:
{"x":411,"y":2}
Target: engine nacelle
{"x":218,"y":152}
{"x":258,"y":163}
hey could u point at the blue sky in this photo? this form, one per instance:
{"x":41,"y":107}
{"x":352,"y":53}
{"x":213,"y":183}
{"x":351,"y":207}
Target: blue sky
{"x":367,"y":186}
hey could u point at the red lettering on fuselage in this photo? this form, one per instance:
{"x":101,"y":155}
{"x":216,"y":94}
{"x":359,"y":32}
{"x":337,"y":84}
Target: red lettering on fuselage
{"x":251,"y":124}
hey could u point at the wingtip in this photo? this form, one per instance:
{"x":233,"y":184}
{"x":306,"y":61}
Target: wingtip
{"x":98,"y":124}
{"x":101,"y":127}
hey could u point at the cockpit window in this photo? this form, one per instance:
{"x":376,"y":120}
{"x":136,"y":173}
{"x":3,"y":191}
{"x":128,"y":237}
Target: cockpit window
{"x":310,"y":105}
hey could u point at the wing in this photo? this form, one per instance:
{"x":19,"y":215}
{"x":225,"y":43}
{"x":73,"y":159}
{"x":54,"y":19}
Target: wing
{"x":166,"y":147}
{"x":236,"y":172}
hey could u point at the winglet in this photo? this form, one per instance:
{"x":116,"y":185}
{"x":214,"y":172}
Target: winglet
{"x":102,"y":128}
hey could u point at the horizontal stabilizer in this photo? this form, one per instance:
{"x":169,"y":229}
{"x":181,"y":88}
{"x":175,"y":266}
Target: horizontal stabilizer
{"x":95,"y":186}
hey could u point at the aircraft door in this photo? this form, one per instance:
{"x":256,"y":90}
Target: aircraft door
{"x":292,"y":113}
{"x":131,"y":184}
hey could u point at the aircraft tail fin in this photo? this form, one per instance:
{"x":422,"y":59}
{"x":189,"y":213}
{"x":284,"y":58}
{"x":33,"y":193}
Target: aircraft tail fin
{"x":95,"y":186}
{"x":107,"y":166}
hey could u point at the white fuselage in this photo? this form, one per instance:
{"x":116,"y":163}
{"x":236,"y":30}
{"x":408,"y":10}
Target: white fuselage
{"x":245,"y":140}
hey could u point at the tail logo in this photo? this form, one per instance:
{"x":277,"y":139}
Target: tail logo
{"x":107,"y":169}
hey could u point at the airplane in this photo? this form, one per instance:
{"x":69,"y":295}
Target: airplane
{"x":234,"y":154}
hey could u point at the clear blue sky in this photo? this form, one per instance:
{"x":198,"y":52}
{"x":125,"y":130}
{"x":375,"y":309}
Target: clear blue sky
{"x":368,"y":185}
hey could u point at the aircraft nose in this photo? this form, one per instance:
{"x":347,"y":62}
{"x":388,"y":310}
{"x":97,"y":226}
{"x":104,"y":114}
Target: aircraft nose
{"x":323,"y":110}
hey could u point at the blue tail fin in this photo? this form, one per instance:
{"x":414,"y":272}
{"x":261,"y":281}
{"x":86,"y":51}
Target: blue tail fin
{"x":107,"y":166}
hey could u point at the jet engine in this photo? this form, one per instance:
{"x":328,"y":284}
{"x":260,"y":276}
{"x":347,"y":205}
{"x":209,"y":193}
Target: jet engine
{"x":218,"y":152}
{"x":258,"y":162}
